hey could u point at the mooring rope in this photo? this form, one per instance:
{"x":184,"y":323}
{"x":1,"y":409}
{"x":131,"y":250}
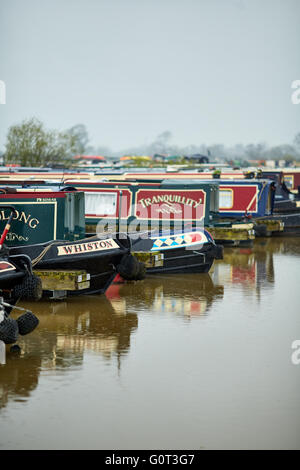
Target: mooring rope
{"x":43,"y":253}
{"x":36,"y":260}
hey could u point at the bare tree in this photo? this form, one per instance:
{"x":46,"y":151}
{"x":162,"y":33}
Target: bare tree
{"x":30,"y":144}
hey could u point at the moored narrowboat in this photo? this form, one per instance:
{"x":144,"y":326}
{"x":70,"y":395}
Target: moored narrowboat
{"x":189,"y":251}
{"x":172,"y":216}
{"x":143,"y":204}
{"x":280,"y":222}
{"x":240,"y":199}
{"x":47,"y":227}
{"x":287,"y":202}
{"x":96,"y":263}
{"x":135,"y":209}
{"x":291,"y":177}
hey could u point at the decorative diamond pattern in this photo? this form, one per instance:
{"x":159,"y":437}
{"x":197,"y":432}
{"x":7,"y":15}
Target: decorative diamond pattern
{"x":187,"y":239}
{"x":158,"y":242}
{"x":178,"y":240}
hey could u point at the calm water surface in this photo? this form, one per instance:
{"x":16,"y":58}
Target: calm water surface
{"x":174,"y":362}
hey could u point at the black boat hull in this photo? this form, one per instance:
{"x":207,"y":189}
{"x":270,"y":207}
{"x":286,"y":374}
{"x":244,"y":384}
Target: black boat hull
{"x":183,"y":252}
{"x":13,"y":272}
{"x":180,"y":260}
{"x":99,"y":258}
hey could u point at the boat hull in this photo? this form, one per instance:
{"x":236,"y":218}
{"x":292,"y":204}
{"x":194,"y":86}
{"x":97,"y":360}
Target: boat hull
{"x":183,"y":252}
{"x":99,"y":258}
{"x":180,"y":260}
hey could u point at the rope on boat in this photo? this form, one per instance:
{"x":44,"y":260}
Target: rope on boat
{"x":36,"y":260}
{"x":14,"y":307}
{"x":43,"y":253}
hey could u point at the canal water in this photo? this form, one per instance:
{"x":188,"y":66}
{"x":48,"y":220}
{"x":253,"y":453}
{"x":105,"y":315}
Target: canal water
{"x":172,"y":362}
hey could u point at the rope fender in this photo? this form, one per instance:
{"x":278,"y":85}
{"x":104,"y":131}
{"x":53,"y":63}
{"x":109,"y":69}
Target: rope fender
{"x":130,"y":268}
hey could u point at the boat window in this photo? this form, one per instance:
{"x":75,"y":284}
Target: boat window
{"x":288,"y":179}
{"x":100,"y":203}
{"x":226,"y":198}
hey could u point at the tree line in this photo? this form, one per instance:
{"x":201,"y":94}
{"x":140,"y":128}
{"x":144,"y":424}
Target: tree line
{"x":31,"y":144}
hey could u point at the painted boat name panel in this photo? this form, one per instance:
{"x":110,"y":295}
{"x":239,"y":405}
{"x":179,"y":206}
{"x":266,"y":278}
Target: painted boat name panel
{"x":39,"y":219}
{"x":157,"y":204}
{"x":29,"y":222}
{"x":78,"y":248}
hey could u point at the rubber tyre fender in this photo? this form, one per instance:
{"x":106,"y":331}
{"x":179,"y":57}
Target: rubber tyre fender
{"x":9,"y":330}
{"x":30,"y":289}
{"x":27,"y":323}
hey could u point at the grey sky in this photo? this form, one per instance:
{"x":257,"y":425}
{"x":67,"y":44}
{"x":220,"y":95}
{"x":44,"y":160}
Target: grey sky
{"x":209,"y":71}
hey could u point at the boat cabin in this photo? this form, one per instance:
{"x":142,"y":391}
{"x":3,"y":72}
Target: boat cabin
{"x":42,"y":214}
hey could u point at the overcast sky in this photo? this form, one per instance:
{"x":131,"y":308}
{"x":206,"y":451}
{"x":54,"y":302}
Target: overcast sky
{"x":208,"y":71}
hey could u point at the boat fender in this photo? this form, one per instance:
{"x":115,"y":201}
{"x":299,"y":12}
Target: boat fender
{"x":219,"y":252}
{"x":9,"y":330}
{"x":141,"y":272}
{"x":29,"y":289}
{"x":260,"y":230}
{"x":27,"y":323}
{"x":129,"y":267}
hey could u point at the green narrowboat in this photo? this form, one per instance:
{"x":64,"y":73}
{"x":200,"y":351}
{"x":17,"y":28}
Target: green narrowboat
{"x":47,"y":226}
{"x":42,"y":215}
{"x":170,"y":218}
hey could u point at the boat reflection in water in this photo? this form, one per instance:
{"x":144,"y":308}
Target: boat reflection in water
{"x":185,"y":296}
{"x":174,"y":361}
{"x":102,"y":326}
{"x":67,"y":331}
{"x":251,"y":269}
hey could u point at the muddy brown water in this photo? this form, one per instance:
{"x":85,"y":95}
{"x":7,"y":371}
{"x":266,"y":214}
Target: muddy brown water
{"x":172,"y":362}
